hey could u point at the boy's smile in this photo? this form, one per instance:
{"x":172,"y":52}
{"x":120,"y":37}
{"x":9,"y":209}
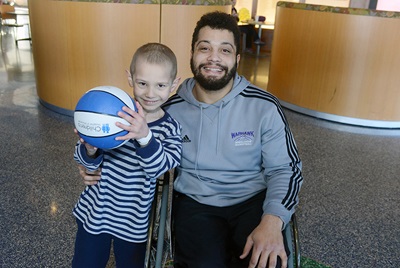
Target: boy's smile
{"x":152,"y":86}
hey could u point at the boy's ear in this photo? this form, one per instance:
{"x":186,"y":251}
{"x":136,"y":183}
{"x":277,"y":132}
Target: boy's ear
{"x":175,"y":84}
{"x":130,"y":82}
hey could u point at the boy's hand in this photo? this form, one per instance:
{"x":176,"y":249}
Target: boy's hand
{"x":138,"y":126}
{"x":90,"y":150}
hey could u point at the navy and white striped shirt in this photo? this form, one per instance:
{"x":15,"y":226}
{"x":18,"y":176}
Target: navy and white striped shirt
{"x":120,"y":202}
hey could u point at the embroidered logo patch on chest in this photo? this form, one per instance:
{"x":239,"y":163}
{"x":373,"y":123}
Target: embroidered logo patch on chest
{"x":243,"y":138}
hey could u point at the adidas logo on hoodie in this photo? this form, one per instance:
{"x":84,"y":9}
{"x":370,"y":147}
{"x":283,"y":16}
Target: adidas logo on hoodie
{"x":186,"y":139}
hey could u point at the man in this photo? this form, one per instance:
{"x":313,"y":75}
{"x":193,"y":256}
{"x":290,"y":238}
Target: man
{"x":240,"y":173}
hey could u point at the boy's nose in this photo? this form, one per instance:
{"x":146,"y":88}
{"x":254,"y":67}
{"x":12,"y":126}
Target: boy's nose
{"x":150,"y":92}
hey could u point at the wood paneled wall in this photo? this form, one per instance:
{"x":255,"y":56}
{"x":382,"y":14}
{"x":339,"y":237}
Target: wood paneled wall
{"x":80,"y":45}
{"x":340,"y":64}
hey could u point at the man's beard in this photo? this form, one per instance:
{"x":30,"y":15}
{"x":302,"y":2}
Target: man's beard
{"x":212,"y":84}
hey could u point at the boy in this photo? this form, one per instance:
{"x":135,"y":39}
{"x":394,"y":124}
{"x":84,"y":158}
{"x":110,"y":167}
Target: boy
{"x":117,"y":207}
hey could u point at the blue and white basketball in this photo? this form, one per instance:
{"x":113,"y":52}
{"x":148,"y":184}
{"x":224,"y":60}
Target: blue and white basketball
{"x":96,"y":114}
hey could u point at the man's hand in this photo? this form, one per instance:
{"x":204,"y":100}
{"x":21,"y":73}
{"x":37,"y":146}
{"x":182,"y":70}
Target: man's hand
{"x":267,"y":243}
{"x":89,"y":178}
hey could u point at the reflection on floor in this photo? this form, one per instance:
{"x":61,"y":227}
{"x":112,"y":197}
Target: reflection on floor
{"x":349,"y":209}
{"x":255,"y":69}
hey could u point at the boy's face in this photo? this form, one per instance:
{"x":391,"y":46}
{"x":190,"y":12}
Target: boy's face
{"x":214,"y":60}
{"x":152,"y":84}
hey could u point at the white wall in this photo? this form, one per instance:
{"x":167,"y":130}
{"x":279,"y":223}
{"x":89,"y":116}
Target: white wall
{"x":335,"y":3}
{"x":267,"y":8}
{"x":390,"y":5}
{"x":359,"y":3}
{"x":244,"y":4}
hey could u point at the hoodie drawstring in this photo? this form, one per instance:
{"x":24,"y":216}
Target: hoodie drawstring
{"x":201,"y":130}
{"x":199,"y":143}
{"x":219,"y":124}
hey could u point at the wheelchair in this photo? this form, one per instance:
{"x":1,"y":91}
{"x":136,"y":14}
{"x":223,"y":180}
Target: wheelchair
{"x":159,"y":251}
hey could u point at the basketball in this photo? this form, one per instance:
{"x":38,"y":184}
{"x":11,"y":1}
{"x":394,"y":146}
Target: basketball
{"x":96,"y":114}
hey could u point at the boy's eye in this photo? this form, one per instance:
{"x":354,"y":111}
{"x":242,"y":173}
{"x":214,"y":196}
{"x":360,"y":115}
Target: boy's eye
{"x":162,"y":85}
{"x":142,"y":84}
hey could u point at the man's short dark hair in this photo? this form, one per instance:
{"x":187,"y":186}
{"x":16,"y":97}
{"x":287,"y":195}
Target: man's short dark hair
{"x":219,"y":21}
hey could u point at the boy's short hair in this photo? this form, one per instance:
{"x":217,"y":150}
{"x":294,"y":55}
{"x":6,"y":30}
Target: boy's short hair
{"x":219,"y":21}
{"x":155,"y":53}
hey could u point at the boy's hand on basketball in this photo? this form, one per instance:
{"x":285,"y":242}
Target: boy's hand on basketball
{"x":90,"y":150}
{"x":138,"y":125}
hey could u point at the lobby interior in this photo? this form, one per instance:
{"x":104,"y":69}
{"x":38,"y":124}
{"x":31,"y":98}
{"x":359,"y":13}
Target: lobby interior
{"x":349,"y":205}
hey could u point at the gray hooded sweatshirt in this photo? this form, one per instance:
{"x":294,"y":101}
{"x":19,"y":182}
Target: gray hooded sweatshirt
{"x":236,"y":148}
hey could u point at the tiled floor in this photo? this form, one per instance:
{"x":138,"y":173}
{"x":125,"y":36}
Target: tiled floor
{"x":349,"y":213}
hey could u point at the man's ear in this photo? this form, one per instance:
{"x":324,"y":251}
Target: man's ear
{"x":175,"y":84}
{"x":130,"y":82}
